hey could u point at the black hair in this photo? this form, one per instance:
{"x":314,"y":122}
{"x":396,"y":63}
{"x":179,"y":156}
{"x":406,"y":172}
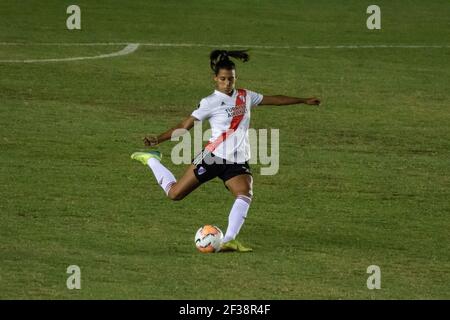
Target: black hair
{"x":220,"y":59}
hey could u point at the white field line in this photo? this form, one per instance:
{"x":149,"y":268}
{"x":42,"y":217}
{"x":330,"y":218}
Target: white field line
{"x":130,"y":48}
{"x":192,"y":45}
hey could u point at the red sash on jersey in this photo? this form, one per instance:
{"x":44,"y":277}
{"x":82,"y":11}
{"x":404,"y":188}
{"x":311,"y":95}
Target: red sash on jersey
{"x":240,"y":103}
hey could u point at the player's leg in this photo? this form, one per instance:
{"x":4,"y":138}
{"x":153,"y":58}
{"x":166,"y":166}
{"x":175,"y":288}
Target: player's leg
{"x":187,"y":183}
{"x":195,"y":175}
{"x":173,"y":189}
{"x":241,"y":187}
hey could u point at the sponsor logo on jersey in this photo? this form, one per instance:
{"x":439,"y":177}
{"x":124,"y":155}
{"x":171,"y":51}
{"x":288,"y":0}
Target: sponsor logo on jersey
{"x":236,"y":111}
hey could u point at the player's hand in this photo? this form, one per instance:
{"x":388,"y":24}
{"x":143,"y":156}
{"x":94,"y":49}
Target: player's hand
{"x":151,"y":141}
{"x":313,"y":101}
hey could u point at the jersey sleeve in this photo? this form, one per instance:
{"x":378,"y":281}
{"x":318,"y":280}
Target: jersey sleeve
{"x":203,"y":111}
{"x":255,"y":97}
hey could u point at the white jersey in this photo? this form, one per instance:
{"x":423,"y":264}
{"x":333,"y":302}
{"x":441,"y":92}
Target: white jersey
{"x":229,"y":117}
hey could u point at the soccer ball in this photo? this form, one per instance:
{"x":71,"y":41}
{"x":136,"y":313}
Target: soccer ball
{"x":208,"y":239}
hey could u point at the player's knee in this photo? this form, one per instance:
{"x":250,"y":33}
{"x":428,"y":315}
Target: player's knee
{"x":246,"y":192}
{"x":175,"y":195}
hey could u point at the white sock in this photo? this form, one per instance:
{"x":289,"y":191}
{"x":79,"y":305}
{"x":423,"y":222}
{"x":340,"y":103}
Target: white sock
{"x":237,"y":217}
{"x":163,"y":176}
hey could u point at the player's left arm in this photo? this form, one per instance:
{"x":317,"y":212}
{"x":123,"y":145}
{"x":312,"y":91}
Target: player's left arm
{"x":280,"y":100}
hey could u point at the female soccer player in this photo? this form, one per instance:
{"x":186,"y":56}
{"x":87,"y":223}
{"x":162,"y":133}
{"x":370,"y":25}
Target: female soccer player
{"x":227,"y":153}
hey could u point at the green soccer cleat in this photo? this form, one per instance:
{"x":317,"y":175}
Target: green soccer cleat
{"x":144,"y":156}
{"x":234,"y":245}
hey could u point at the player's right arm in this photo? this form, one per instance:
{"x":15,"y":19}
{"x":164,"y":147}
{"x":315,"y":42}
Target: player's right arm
{"x":186,"y":124}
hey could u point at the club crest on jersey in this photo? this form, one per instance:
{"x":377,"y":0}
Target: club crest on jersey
{"x":201,"y":170}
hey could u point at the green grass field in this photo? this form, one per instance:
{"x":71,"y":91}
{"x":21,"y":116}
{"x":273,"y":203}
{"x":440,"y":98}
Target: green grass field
{"x":363,"y":180}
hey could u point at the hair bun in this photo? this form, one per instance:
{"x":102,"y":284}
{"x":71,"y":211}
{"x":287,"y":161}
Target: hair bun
{"x":224,"y":54}
{"x":221,"y":58}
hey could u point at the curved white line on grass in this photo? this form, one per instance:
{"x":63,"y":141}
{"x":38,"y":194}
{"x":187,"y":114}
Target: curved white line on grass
{"x":193,"y":45}
{"x":130,"y":48}
{"x":293,"y":47}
